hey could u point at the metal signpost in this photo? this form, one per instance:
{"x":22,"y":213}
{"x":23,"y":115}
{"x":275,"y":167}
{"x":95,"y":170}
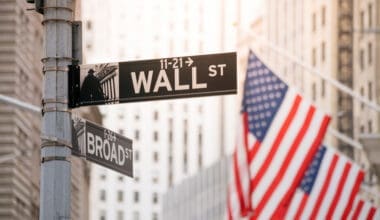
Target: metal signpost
{"x":102,"y":146}
{"x":167,"y":78}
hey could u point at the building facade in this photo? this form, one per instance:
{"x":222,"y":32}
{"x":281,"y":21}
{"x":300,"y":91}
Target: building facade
{"x":339,"y":39}
{"x":171,"y":139}
{"x":366,"y":38}
{"x":21,"y":46}
{"x":199,"y":196}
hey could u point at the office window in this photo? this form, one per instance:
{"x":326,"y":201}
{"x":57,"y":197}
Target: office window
{"x":137,"y":135}
{"x":200,"y":143}
{"x":323,"y":15}
{"x":120,"y":215}
{"x":155,"y":136}
{"x":136,"y":197}
{"x":136,"y":215}
{"x":155,"y":179}
{"x":154,"y":216}
{"x":370,"y":15}
{"x":362,"y":59}
{"x":137,"y":155}
{"x":102,"y":215}
{"x":370,"y":90}
{"x":170,"y":137}
{"x":120,"y":196}
{"x":362,"y":94}
{"x":369,"y":126}
{"x":137,"y":176}
{"x":369,"y":53}
{"x":103,"y":176}
{"x":185,"y":161}
{"x":323,"y":48}
{"x":120,"y":178}
{"x":89,"y":25}
{"x":185,"y":132}
{"x":314,"y":91}
{"x":170,"y":178}
{"x":155,"y":116}
{"x":314,"y":20}
{"x":362,"y":20}
{"x":200,"y":160}
{"x":155,"y":157}
{"x":323,"y":85}
{"x":121,"y":131}
{"x":170,"y":130}
{"x":314,"y":57}
{"x":137,"y":117}
{"x":103,"y":195}
{"x":155,"y":198}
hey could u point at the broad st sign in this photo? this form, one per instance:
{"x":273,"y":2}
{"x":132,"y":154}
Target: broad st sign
{"x":102,"y":146}
{"x":167,"y":78}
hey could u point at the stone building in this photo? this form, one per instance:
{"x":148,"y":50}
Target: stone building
{"x":21,"y":46}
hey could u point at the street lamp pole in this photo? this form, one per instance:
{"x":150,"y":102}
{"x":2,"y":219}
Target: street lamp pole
{"x":55,"y":184}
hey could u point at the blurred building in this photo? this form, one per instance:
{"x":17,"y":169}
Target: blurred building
{"x":366,"y":60}
{"x":338,"y":38}
{"x":21,"y":47}
{"x":171,"y":139}
{"x":200,"y":196}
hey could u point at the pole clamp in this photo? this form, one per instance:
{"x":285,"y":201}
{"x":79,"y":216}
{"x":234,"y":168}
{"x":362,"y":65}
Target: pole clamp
{"x":55,"y":109}
{"x":58,"y":7}
{"x":52,"y":158}
{"x":56,"y":58}
{"x":57,"y":100}
{"x":56,"y":20}
{"x":55,"y":68}
{"x":49,"y":141}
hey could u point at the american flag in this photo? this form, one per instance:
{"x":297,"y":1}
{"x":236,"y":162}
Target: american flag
{"x":238,"y":191}
{"x":363,"y":210}
{"x":328,"y":188}
{"x":283,"y":133}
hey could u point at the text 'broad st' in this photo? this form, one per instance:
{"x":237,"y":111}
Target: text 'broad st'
{"x":102,"y":146}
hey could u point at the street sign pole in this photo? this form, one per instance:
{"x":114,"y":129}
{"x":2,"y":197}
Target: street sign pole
{"x":55,"y":184}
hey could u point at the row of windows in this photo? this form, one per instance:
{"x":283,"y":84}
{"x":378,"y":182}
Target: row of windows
{"x":155,"y":156}
{"x":362,"y":17}
{"x":120,"y":215}
{"x":369,"y":56}
{"x":314,"y":90}
{"x":120,"y":196}
{"x":314,"y":54}
{"x":156,"y":113}
{"x":370,"y":96}
{"x":369,"y":125}
{"x":323,"y":18}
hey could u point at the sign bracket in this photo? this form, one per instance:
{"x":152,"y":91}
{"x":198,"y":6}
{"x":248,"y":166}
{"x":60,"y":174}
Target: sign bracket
{"x":74,"y":85}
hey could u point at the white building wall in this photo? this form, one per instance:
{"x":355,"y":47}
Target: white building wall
{"x":122,"y":30}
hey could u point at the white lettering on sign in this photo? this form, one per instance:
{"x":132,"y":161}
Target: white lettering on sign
{"x":107,"y":150}
{"x":177,"y":86}
{"x":162,"y":82}
{"x":142,"y":80}
{"x":195,"y":84}
{"x":213,"y":71}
